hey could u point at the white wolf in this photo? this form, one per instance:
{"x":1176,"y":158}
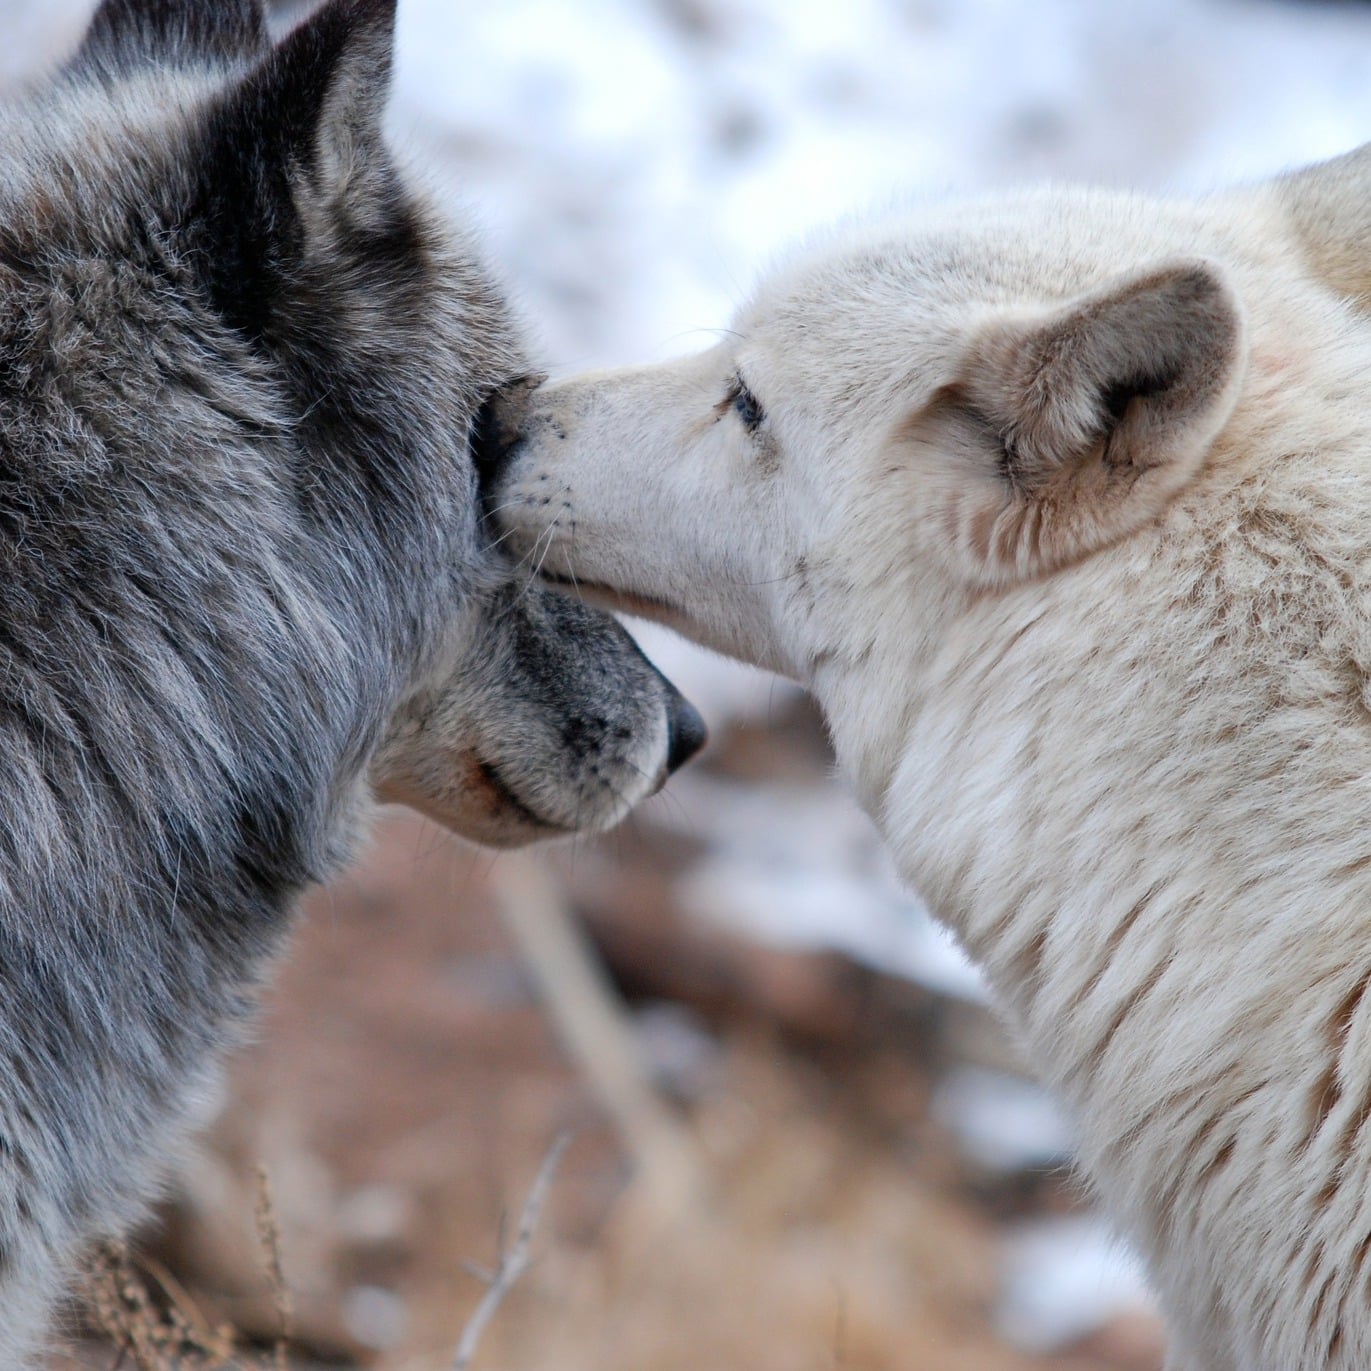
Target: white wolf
{"x":1061,"y":505}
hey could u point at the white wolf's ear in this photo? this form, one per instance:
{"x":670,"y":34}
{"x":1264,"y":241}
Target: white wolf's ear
{"x":1328,"y":210}
{"x":1099,"y":412}
{"x":128,"y":33}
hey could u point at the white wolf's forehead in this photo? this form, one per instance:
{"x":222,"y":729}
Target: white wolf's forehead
{"x":1037,"y":247}
{"x":886,"y":308}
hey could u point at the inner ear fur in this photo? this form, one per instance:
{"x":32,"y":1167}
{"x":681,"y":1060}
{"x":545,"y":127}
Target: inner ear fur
{"x":315,"y":104}
{"x":1097,"y":412}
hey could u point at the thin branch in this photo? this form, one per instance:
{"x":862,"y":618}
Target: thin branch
{"x":515,"y":1261}
{"x":269,"y":1235}
{"x":594,"y":1027}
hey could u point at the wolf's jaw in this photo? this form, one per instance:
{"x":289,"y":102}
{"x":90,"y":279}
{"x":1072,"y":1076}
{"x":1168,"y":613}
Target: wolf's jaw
{"x":623,"y":601}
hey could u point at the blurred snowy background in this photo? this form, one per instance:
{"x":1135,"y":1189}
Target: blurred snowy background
{"x":631,"y":164}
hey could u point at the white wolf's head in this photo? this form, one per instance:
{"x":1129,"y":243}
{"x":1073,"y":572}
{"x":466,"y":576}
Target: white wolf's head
{"x":944,"y":401}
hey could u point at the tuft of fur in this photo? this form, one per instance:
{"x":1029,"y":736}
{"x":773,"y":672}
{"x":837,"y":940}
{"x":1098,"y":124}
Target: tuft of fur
{"x":243,"y":575}
{"x":1060,"y":505}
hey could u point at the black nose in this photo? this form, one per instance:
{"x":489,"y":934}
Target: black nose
{"x":686,"y":731}
{"x":497,"y":427}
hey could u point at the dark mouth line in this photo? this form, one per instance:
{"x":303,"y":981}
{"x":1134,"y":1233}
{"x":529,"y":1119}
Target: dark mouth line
{"x":501,"y":787}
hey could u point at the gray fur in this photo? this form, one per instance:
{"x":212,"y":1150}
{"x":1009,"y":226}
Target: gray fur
{"x":240,"y":551}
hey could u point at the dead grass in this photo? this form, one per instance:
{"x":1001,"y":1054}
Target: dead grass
{"x":152,"y":1324}
{"x":269,"y":1235}
{"x":151,"y":1327}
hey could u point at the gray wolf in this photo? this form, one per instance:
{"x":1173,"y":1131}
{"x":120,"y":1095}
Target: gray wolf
{"x":1060,"y":504}
{"x":243,"y":369}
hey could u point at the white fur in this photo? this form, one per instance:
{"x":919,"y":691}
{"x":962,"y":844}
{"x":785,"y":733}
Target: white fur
{"x":1128,"y":762}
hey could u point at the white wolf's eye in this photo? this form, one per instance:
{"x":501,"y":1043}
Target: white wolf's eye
{"x":745,"y":405}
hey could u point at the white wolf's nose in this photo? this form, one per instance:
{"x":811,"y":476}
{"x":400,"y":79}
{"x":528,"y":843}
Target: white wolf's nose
{"x":496,"y":430}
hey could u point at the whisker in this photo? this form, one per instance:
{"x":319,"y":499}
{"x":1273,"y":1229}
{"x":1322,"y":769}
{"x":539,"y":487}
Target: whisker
{"x":576,"y":585}
{"x":508,"y":533}
{"x":538,"y":570}
{"x":547,"y":536}
{"x":500,"y":509}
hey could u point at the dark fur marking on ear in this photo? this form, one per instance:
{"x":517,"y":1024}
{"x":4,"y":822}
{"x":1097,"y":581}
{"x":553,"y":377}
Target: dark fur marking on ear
{"x":1115,"y":398}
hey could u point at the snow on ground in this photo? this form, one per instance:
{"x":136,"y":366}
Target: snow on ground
{"x":1062,"y":1278}
{"x":637,"y":160}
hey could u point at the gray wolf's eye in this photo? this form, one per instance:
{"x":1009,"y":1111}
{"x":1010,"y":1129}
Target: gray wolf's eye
{"x":745,"y":405}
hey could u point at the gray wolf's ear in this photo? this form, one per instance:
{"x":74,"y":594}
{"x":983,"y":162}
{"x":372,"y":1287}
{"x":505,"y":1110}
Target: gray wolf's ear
{"x":1100,"y":411}
{"x":293,"y":160}
{"x":128,"y":33}
{"x":316,"y":102}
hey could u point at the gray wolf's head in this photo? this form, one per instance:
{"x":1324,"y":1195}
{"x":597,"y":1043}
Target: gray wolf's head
{"x":232,"y":296}
{"x":244,"y":578}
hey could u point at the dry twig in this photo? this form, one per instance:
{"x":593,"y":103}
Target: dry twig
{"x":132,"y":1320}
{"x":594,"y":1027}
{"x":514,"y":1261}
{"x":269,"y":1234}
